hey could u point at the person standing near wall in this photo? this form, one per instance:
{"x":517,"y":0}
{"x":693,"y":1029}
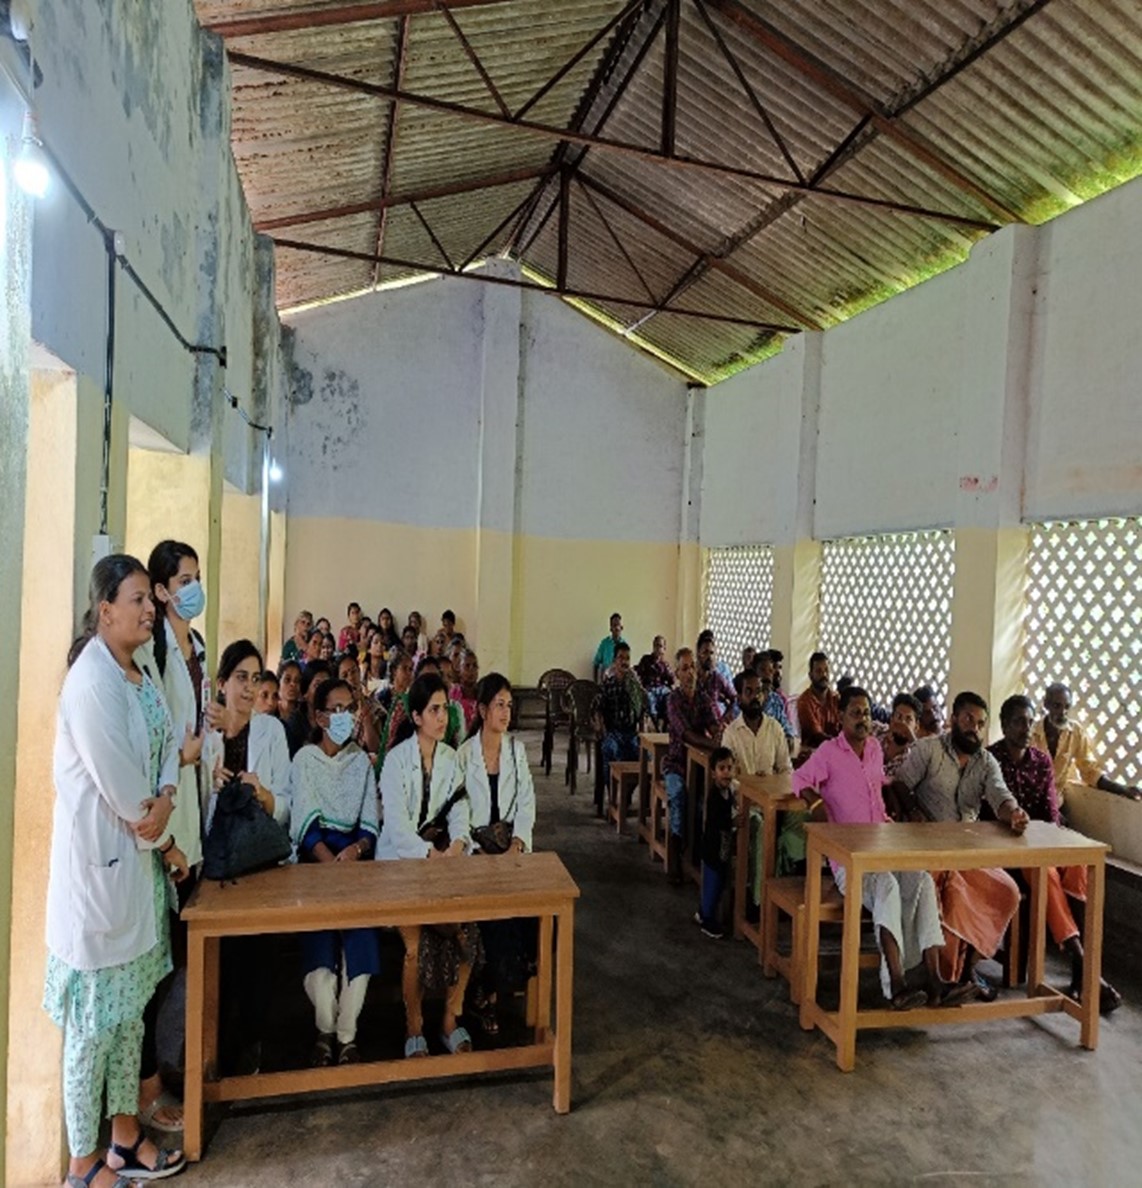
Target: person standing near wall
{"x":115,"y":768}
{"x":175,"y":658}
{"x":605,"y":652}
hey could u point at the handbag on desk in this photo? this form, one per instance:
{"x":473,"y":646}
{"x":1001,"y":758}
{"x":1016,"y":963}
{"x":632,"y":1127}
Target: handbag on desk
{"x":243,"y":837}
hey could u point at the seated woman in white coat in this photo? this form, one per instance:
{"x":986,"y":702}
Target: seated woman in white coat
{"x":333,"y":801}
{"x":252,"y":747}
{"x":420,"y":790}
{"x":501,"y":807}
{"x":115,"y":770}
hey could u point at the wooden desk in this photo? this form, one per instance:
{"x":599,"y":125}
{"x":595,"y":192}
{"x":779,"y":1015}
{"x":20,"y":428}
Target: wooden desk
{"x":652,"y":748}
{"x":772,"y":795}
{"x":861,"y":849}
{"x":306,"y":898}
{"x":697,"y":789}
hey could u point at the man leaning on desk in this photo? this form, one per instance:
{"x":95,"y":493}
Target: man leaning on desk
{"x":947,"y":778}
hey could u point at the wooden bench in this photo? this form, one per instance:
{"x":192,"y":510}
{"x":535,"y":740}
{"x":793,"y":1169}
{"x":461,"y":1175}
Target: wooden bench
{"x":788,"y":895}
{"x":624,"y":777}
{"x":307,"y":898}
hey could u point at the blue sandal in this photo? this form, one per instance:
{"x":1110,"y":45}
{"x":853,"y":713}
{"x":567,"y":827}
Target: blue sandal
{"x":415,"y":1045}
{"x":168,"y":1163}
{"x":458,"y":1041}
{"x":74,"y":1181}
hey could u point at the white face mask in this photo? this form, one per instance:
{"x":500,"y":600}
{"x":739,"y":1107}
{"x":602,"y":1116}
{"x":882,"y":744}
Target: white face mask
{"x":340,"y":727}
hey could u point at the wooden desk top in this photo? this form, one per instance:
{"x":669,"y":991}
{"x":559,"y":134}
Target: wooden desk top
{"x":953,"y":845}
{"x":654,"y":738}
{"x":768,"y":790}
{"x":308,"y":896}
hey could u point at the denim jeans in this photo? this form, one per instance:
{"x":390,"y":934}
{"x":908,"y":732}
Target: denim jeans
{"x":615,"y":747}
{"x":676,"y":800}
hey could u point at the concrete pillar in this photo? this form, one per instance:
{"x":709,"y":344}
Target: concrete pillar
{"x":690,"y":553}
{"x":991,"y":542}
{"x":35,"y":1121}
{"x":15,"y":336}
{"x":497,"y":499}
{"x":796,"y":554}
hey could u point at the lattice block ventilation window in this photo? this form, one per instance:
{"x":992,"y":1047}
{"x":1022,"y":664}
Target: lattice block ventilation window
{"x":1083,"y":626}
{"x":886,"y":610}
{"x":739,"y":599}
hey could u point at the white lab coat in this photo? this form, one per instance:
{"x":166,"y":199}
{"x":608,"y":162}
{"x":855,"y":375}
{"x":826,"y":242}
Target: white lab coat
{"x":401,"y":793}
{"x":101,"y":901}
{"x":267,"y":756}
{"x":178,"y":688}
{"x":516,"y":792}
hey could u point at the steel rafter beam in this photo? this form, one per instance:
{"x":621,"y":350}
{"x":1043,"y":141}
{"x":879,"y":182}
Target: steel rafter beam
{"x":427,"y":195}
{"x":473,"y":57}
{"x":535,"y":286}
{"x":338,"y":14}
{"x":594,"y":205}
{"x":669,"y":126}
{"x":570,"y":136}
{"x":842,"y":90}
{"x":390,"y":140}
{"x":718,"y":263}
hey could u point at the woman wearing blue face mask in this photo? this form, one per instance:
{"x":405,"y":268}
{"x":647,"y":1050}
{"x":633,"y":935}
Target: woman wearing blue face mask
{"x":333,"y":795}
{"x":175,"y":659}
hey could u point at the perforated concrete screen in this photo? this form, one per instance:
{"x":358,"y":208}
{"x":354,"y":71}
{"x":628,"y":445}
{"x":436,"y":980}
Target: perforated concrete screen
{"x":1083,"y":626}
{"x":739,"y":598}
{"x":886,"y":610}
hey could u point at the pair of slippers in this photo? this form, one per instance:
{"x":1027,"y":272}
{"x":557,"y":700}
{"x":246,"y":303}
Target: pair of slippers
{"x":166,"y":1164}
{"x":456,"y":1041}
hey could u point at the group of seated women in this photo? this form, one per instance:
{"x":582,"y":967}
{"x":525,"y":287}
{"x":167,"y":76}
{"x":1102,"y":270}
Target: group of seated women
{"x":142,"y":753}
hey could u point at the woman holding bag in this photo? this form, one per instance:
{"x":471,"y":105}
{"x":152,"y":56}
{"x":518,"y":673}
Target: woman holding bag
{"x":115,"y":769}
{"x":501,"y":806}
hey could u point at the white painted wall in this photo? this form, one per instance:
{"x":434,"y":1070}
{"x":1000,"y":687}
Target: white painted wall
{"x":1085,"y":440}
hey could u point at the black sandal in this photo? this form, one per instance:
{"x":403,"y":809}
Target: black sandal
{"x":168,"y":1163}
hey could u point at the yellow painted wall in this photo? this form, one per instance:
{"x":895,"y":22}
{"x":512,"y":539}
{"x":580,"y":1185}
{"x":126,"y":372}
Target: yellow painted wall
{"x":239,"y":614}
{"x":543,"y":602}
{"x":167,"y":499}
{"x":35,"y":1138}
{"x":276,"y":608}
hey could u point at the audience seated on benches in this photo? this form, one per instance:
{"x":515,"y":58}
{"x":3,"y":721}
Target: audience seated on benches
{"x":818,"y":710}
{"x":622,"y":703}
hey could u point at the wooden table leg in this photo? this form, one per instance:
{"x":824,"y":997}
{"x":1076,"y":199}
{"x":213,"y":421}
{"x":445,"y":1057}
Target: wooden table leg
{"x":850,"y":971}
{"x":543,"y":1006}
{"x":643,"y":788}
{"x":741,"y":869}
{"x":1037,"y":931}
{"x":1092,"y":952}
{"x":201,"y":1033}
{"x":564,"y":974}
{"x":768,"y":860}
{"x":812,"y":936}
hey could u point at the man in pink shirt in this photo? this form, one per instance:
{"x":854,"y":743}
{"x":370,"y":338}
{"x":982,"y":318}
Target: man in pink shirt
{"x":847,"y":774}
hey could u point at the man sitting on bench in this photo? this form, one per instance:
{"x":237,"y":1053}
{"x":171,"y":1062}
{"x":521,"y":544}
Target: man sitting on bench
{"x":847,"y":774}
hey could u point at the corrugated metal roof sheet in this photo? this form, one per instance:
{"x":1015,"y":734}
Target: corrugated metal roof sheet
{"x":1020,"y":105}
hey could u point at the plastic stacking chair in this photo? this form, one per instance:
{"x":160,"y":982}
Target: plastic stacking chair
{"x":552,"y":685}
{"x":581,"y":701}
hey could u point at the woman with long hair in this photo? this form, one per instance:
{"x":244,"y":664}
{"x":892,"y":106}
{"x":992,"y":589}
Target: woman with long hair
{"x":333,"y":797}
{"x":420,"y":784}
{"x":387,"y":629}
{"x":374,"y":667}
{"x":394,"y":701}
{"x":116,"y":767}
{"x":501,"y":809}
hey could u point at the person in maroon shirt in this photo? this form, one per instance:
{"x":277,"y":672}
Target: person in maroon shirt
{"x":818,"y":711}
{"x":692,"y":721}
{"x":1030,"y":777}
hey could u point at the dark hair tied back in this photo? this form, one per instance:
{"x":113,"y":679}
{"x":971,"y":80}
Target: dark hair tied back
{"x":109,"y":574}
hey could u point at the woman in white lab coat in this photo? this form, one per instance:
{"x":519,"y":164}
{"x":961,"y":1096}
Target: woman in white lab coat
{"x":501,"y":807}
{"x":419,"y":782}
{"x":115,"y":770}
{"x":175,"y":658}
{"x":254,"y":748}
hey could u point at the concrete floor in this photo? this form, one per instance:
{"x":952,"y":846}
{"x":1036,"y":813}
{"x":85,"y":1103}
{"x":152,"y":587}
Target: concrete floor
{"x":689,"y":1067}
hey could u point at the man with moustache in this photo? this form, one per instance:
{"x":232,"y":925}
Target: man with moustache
{"x":931,"y":712}
{"x":1068,"y":744}
{"x":847,"y":774}
{"x":772,"y":703}
{"x":897,"y":737}
{"x":757,"y":743}
{"x":948,"y":778}
{"x":818,"y":710}
{"x":714,"y":678}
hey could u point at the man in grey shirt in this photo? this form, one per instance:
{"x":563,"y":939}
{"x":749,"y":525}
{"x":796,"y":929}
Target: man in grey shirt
{"x":947,"y":778}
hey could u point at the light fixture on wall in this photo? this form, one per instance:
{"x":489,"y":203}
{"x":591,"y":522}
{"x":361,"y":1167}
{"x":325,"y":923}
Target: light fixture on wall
{"x":30,"y":168}
{"x":276,"y":472}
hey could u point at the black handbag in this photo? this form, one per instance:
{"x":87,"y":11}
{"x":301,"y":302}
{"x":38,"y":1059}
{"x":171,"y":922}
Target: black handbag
{"x":243,"y":837}
{"x":436,"y":830}
{"x":496,"y":837}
